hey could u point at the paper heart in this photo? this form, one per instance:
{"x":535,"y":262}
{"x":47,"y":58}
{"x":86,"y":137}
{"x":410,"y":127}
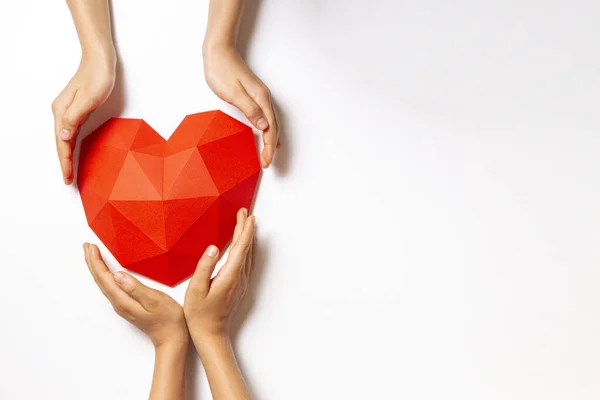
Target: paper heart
{"x":156,"y":204}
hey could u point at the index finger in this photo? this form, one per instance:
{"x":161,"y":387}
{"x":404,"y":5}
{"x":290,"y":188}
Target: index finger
{"x":271,"y":135}
{"x":237,"y":253}
{"x":64,"y":148}
{"x":65,"y":157}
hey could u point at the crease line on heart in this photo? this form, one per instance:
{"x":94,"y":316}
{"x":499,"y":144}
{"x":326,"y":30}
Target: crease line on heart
{"x":192,"y":224}
{"x":115,"y":209}
{"x":219,"y":197}
{"x":213,"y":116}
{"x":166,"y":194}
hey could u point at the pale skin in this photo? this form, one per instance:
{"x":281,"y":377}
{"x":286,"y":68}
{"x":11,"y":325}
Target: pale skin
{"x":226,"y":73}
{"x":209,"y":305}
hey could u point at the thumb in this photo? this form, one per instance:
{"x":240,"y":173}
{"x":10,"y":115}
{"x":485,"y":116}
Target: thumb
{"x":251,"y":110}
{"x":206,"y":266}
{"x":134,"y":288}
{"x":74,"y":116}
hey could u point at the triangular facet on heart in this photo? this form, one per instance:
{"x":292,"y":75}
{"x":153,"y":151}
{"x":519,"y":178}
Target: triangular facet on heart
{"x":133,"y":244}
{"x":94,"y":205}
{"x":126,"y":130}
{"x":156,"y":268}
{"x":104,"y":228}
{"x":146,"y":215}
{"x":180,"y":267}
{"x":153,"y":168}
{"x":198,"y":237}
{"x":221,"y":126}
{"x":181,"y":214}
{"x":107,"y":159}
{"x":189,"y":132}
{"x":148,"y":141}
{"x":230,"y":160}
{"x":133,"y":183}
{"x":196,"y":182}
{"x":231,"y":201}
{"x":173,"y":166}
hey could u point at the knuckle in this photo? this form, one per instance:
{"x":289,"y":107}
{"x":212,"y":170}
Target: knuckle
{"x":69,"y":120}
{"x":192,"y":296}
{"x":152,"y":303}
{"x":54,"y":106}
{"x":253,"y":109}
{"x":132,"y":290}
{"x":229,"y":96}
{"x":119,"y":309}
{"x":264,"y":95}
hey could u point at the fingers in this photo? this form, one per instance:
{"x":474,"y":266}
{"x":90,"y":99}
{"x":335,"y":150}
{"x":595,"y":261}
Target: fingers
{"x":70,"y":110}
{"x":75,"y":115}
{"x":237,"y":253}
{"x":262,"y":96}
{"x":250,"y":259}
{"x":250,"y":108}
{"x":201,"y":279}
{"x":148,"y":298}
{"x":65,"y":157}
{"x":64,"y":146}
{"x":239,"y":250}
{"x":239,"y":226}
{"x":121,"y":301}
{"x":278,"y":128}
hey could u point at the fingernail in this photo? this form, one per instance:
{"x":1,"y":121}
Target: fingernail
{"x":120,"y":277}
{"x":85,"y":248}
{"x":244,"y":212}
{"x":65,"y":134}
{"x":212,"y":251}
{"x":262,"y":124}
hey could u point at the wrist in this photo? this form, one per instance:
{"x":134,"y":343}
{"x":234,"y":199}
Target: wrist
{"x":105,"y":54}
{"x":210,"y":340}
{"x":172,"y":347}
{"x":212,"y":46}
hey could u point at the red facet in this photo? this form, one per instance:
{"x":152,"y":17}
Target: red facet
{"x":156,"y":204}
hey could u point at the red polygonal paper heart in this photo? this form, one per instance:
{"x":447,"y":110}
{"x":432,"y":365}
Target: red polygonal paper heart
{"x":156,"y":204}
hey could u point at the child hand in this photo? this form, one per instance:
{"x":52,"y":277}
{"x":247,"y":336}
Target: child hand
{"x":210,"y":303}
{"x":88,"y":89}
{"x":153,"y":312}
{"x":231,"y":79}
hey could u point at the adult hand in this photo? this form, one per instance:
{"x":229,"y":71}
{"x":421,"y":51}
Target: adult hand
{"x":153,"y":312}
{"x":230,"y":78}
{"x":89,"y":88}
{"x":210,"y":303}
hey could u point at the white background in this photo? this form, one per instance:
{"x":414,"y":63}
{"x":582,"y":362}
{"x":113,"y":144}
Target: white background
{"x":430,"y":229}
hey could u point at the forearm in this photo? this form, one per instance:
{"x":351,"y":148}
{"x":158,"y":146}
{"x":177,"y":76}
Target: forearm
{"x":168,"y":381}
{"x":92,"y":21}
{"x":223,"y":22}
{"x":223,"y":373}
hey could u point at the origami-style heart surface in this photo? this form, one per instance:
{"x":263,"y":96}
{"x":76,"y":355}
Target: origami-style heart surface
{"x":158,"y":204}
